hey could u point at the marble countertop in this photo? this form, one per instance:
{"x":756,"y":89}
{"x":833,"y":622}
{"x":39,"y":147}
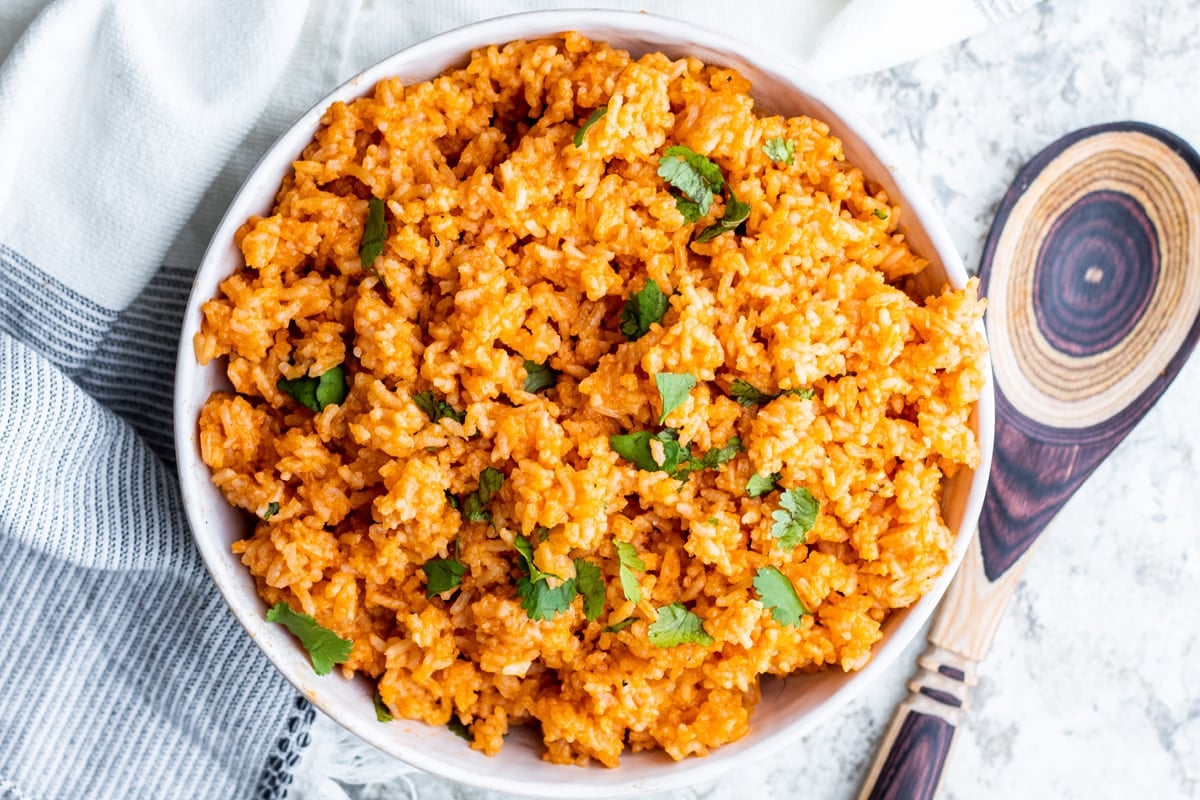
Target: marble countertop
{"x":1092,"y":688}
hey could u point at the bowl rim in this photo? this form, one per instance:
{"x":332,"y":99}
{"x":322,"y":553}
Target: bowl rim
{"x":498,"y":30}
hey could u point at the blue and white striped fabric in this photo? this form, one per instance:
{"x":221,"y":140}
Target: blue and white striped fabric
{"x":125,"y":128}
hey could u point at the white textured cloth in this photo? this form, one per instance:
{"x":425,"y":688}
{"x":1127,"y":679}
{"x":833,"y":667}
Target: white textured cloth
{"x":125,"y":128}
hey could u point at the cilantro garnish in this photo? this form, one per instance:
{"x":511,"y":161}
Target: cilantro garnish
{"x":675,"y":626}
{"x":780,"y":150}
{"x":324,"y":647}
{"x":736,"y":212}
{"x":436,"y":409}
{"x":630,"y":562}
{"x":460,"y":729}
{"x":643,"y":309}
{"x":747,"y":395}
{"x":620,"y":626}
{"x":592,"y":119}
{"x":539,"y":376}
{"x":543,"y":601}
{"x":382,"y":713}
{"x":316,"y":393}
{"x":474,"y":505}
{"x":795,"y":517}
{"x":880,"y":213}
{"x":697,"y":178}
{"x":374,"y":233}
{"x":442,"y":575}
{"x":272,"y":510}
{"x":539,"y":599}
{"x":590,"y":584}
{"x":778,"y":594}
{"x":673,"y":388}
{"x":678,"y":460}
{"x":761,"y":484}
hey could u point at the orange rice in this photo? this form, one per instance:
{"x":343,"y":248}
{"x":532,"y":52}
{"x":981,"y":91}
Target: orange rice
{"x":508,"y":243}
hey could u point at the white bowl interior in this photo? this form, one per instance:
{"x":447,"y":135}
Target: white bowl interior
{"x":789,"y":708}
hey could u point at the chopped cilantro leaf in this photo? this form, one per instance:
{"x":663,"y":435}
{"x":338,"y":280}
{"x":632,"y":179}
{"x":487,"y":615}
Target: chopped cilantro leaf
{"x":382,"y":713}
{"x":374,"y":233}
{"x":795,"y":517}
{"x":272,"y":510}
{"x":524,"y":549}
{"x":539,"y":376}
{"x":678,"y":460}
{"x":437,"y":409}
{"x":459,"y":728}
{"x":689,"y":209}
{"x":692,"y":174}
{"x":780,"y":150}
{"x":630,"y":562}
{"x":542,"y":601}
{"x":592,"y":119}
{"x":474,"y":505}
{"x":778,"y":594}
{"x":590,"y":584}
{"x":880,"y":213}
{"x":324,"y":647}
{"x":747,"y":395}
{"x":453,"y":500}
{"x":643,"y":309}
{"x":620,"y":626}
{"x":675,"y":626}
{"x":316,"y":393}
{"x":736,"y":212}
{"x":719,"y":455}
{"x":442,"y":575}
{"x":759,"y":485}
{"x":673,"y":388}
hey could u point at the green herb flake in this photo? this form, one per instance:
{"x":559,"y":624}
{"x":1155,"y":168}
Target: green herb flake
{"x":880,"y":213}
{"x":382,"y":713}
{"x":689,"y":209}
{"x":324,"y":647}
{"x":437,"y":409}
{"x":795,"y":517}
{"x":631,"y":562}
{"x":272,"y":510}
{"x":592,"y":119}
{"x":678,"y":460}
{"x":736,"y":212}
{"x":673,"y":389}
{"x":697,"y":178}
{"x":758,"y":485}
{"x":474,"y":505}
{"x":590,"y":583}
{"x":675,"y":626}
{"x":541,"y":600}
{"x":780,"y":150}
{"x":374,"y":234}
{"x":316,"y":393}
{"x":779,"y":595}
{"x":643,"y":309}
{"x":747,"y":395}
{"x":442,"y":575}
{"x":459,"y":729}
{"x":539,"y":376}
{"x":620,"y":626}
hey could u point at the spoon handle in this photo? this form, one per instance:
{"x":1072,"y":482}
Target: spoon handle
{"x":915,"y":749}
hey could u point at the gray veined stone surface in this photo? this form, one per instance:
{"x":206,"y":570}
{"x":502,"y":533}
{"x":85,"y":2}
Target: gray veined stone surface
{"x":1092,"y":689}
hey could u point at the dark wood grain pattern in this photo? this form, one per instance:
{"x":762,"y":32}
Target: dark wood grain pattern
{"x":1093,"y":266}
{"x":914,"y":764}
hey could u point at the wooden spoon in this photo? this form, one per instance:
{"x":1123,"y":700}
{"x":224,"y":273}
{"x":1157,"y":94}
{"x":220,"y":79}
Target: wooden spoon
{"x":1092,"y":273}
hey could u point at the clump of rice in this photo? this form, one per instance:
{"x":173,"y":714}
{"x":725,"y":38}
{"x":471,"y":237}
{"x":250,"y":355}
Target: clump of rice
{"x":508,"y":243}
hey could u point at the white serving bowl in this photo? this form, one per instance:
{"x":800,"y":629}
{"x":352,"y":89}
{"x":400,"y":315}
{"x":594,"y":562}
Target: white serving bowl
{"x":789,"y":709}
